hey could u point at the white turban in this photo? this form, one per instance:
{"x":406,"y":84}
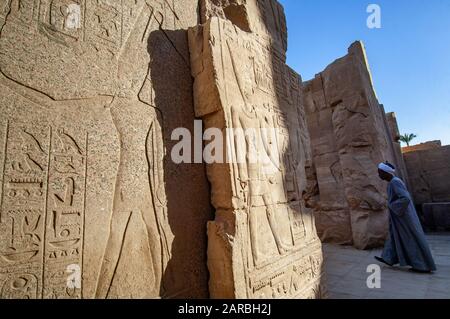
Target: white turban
{"x":387,"y":168}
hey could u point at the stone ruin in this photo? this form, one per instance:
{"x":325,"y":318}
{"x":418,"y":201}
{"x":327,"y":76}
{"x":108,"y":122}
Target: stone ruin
{"x":350,"y":136}
{"x":422,"y":147}
{"x":90,"y":91}
{"x":92,"y":204}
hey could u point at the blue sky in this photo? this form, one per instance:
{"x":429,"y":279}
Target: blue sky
{"x":409,"y":56}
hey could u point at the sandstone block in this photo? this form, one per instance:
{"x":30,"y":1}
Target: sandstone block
{"x":263,"y":242}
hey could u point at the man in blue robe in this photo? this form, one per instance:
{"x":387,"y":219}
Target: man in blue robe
{"x":406,"y":244}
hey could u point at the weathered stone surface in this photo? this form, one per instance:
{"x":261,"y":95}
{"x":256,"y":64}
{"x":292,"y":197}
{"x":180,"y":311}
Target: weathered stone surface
{"x":436,"y":216}
{"x":429,"y":174}
{"x":332,"y":202}
{"x":264,"y":18}
{"x":422,"y":147}
{"x":397,"y":148}
{"x":349,"y":138}
{"x":263,"y":242}
{"x":89,"y":94}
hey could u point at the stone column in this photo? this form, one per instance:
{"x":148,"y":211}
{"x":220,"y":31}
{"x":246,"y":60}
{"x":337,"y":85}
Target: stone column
{"x":263,"y":242}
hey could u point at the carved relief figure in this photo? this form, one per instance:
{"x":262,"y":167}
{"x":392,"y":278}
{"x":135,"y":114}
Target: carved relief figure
{"x":254,"y":178}
{"x":50,"y":232}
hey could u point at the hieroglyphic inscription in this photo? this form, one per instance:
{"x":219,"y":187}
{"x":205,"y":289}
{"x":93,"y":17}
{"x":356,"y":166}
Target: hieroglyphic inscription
{"x":272,"y":17}
{"x":289,"y":281}
{"x":42,"y":212}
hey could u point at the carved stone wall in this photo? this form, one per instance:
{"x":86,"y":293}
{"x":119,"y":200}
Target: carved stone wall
{"x":349,"y":138}
{"x":263,"y":242}
{"x":90,"y":91}
{"x":429,"y":172}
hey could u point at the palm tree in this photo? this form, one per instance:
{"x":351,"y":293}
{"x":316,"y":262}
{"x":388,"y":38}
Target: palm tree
{"x":407,"y":138}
